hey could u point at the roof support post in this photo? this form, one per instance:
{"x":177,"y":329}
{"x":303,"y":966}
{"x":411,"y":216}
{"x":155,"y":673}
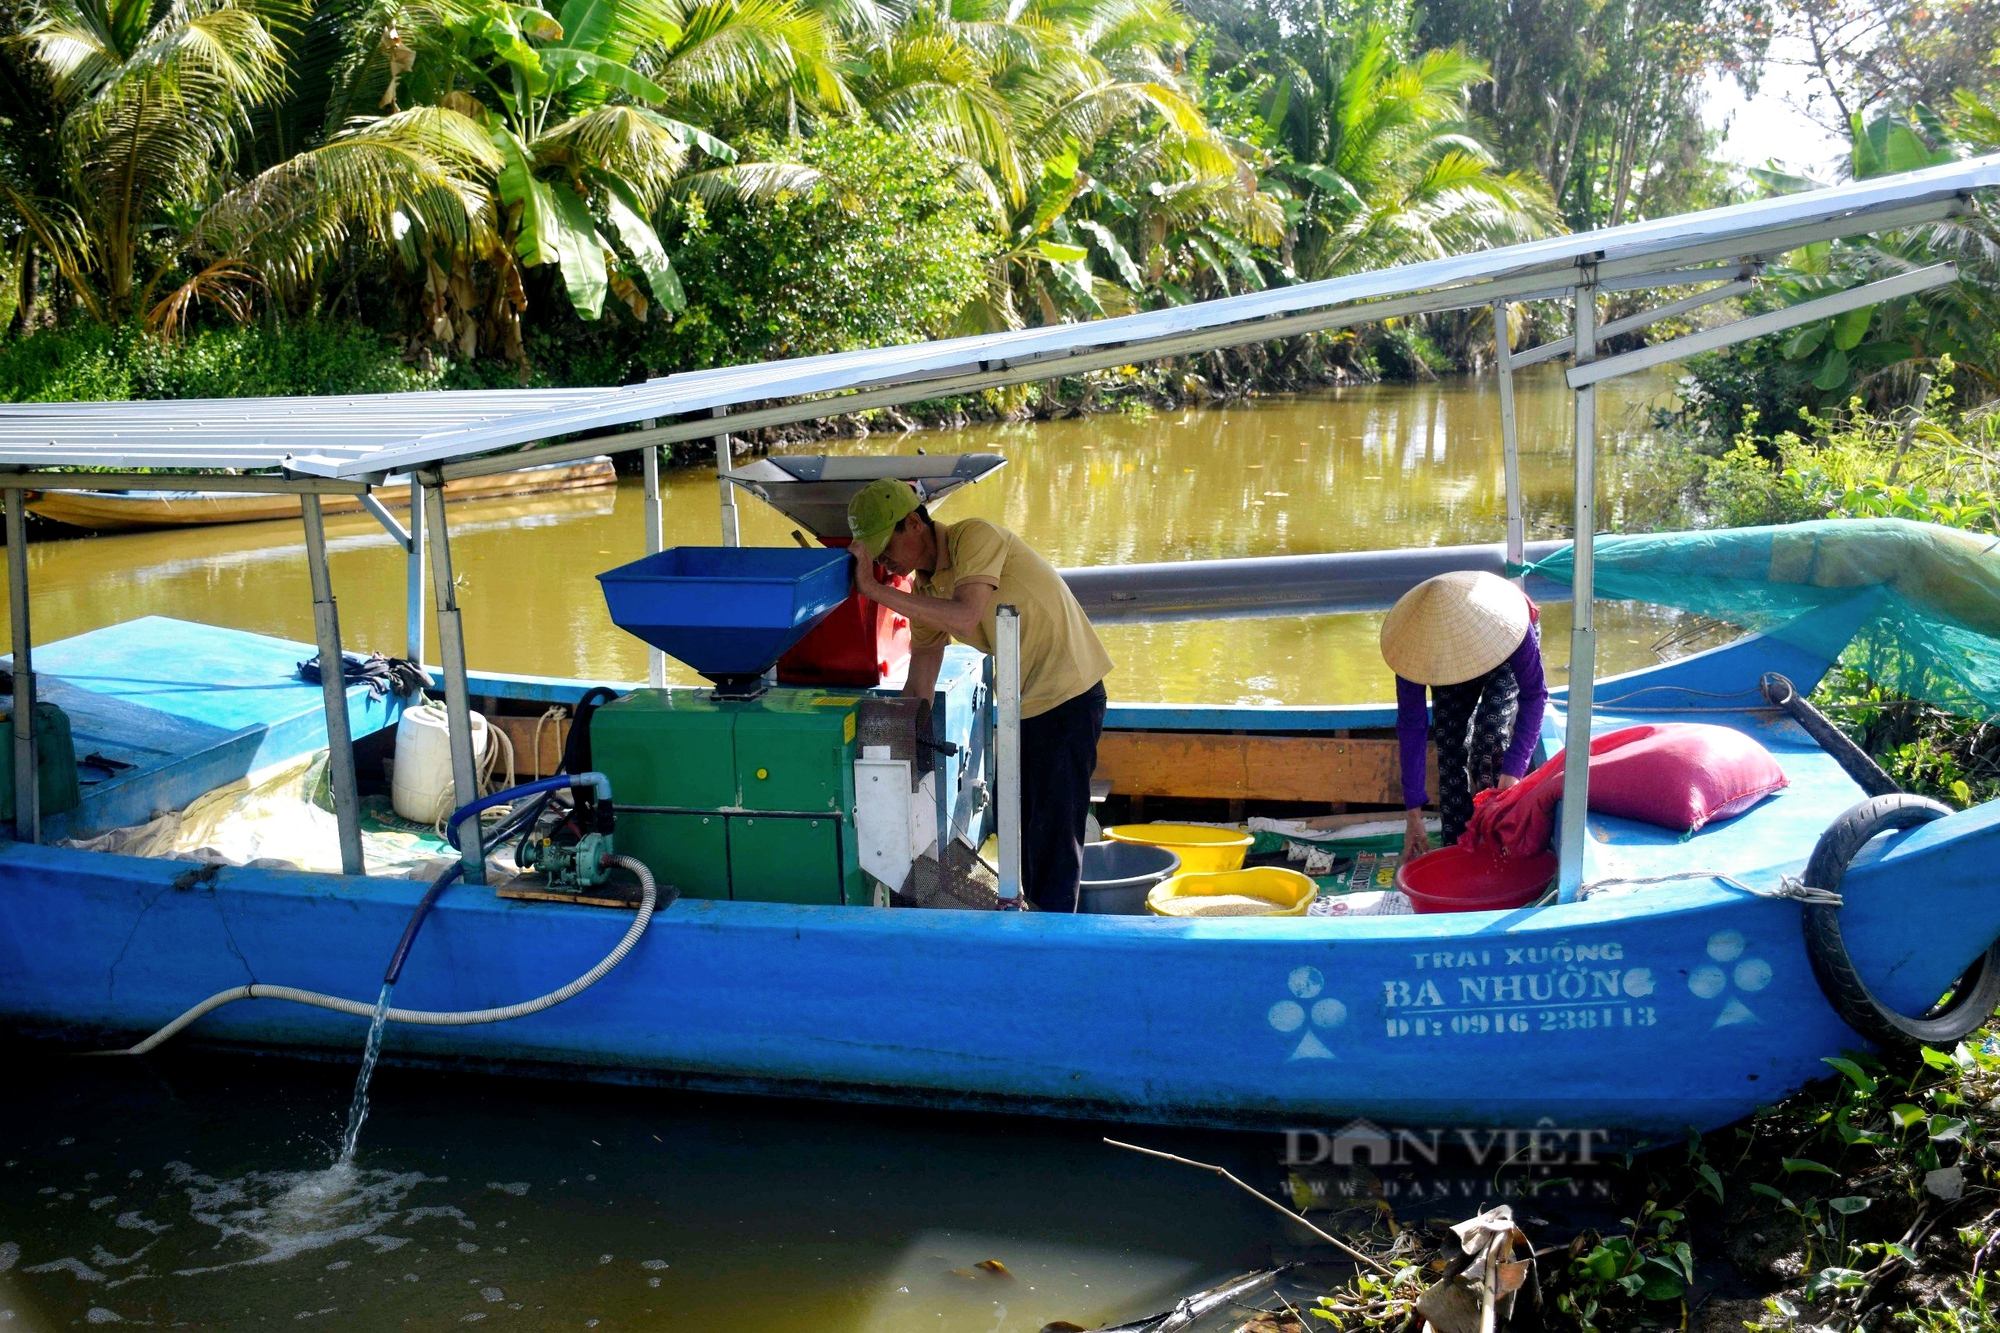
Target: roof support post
{"x":413,"y":579}
{"x":27,"y":773}
{"x":1007,"y":747}
{"x":725,"y":461}
{"x":457,"y":694}
{"x":333,"y":688}
{"x":649,"y":470}
{"x":1510,"y":440}
{"x":1583,"y":626}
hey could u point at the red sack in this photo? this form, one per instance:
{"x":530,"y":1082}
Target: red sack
{"x":1678,"y":775}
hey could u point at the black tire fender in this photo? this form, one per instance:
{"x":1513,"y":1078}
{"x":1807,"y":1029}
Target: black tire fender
{"x":1974,"y":997}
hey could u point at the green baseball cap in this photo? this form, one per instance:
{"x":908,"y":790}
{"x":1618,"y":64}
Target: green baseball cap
{"x":876,"y":509}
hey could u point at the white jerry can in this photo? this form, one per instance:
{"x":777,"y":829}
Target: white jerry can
{"x":421,"y":787}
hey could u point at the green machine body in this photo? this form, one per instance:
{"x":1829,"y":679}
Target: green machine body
{"x":745,"y":799}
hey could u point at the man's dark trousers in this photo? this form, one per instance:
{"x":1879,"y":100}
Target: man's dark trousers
{"x":1058,"y":755}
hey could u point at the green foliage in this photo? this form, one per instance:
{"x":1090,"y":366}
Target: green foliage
{"x":1402,"y":351}
{"x":1752,"y":387}
{"x":1963,"y":1308}
{"x":144,"y":103}
{"x":1107,"y":184}
{"x":1852,"y":1171}
{"x":1603,"y":98}
{"x":482,"y":176}
{"x":90,"y":361}
{"x":885,"y":247}
{"x":1743,"y":489}
{"x":1377,"y":161}
{"x":1923,"y":467}
{"x":1923,"y":464}
{"x":1879,"y":351}
{"x":1370,"y":1301}
{"x":1881,"y":1175}
{"x":1608,"y":1279}
{"x":1927,"y":750}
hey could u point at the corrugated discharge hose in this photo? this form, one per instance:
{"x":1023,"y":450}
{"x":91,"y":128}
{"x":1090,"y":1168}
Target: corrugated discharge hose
{"x":648,"y":899}
{"x":425,"y":1017}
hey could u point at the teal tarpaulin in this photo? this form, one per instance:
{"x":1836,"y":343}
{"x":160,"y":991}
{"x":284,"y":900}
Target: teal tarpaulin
{"x":1915,"y":605}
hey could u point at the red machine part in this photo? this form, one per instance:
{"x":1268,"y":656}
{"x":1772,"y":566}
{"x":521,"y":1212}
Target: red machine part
{"x":859,"y":644}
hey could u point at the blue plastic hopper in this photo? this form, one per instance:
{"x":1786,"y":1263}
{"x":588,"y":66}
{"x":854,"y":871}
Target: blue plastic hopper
{"x":729,"y":612}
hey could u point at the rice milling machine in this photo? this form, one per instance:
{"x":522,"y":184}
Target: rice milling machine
{"x":798,"y":775}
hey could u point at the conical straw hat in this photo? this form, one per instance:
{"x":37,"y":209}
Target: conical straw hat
{"x":1454,"y":627}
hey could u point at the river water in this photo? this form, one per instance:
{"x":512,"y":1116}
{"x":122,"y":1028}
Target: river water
{"x":194,"y":1191}
{"x":1367,"y":468}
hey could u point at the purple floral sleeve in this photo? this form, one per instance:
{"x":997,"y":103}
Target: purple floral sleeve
{"x":1413,"y":731}
{"x":1527,"y":666}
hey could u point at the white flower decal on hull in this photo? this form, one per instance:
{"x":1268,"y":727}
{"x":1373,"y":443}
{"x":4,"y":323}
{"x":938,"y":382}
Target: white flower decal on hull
{"x":1730,"y":970}
{"x":1309,"y":1013}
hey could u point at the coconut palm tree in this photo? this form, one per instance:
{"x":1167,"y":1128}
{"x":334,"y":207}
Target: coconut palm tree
{"x":530,"y":139}
{"x":1381,"y":166}
{"x":1024,"y":96}
{"x":149,"y":98}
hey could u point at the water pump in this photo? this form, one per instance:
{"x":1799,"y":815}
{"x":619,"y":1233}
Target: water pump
{"x":570,"y":867}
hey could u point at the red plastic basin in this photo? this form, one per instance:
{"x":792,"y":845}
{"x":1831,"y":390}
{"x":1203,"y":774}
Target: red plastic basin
{"x":1458,"y":879}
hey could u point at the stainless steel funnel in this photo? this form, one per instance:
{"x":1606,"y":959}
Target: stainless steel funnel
{"x":813,"y":489}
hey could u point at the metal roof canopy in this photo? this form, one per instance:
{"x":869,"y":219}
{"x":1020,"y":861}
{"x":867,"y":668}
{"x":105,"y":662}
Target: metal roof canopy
{"x":363,"y":438}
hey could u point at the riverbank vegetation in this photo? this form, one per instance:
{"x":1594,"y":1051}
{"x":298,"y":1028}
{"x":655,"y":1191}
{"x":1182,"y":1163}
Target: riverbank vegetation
{"x":1871,"y":1200}
{"x":618,"y":187}
{"x":471,"y":192}
{"x":1884,"y":412}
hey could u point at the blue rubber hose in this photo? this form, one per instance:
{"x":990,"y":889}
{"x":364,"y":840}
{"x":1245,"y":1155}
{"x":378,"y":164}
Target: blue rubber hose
{"x":648,"y":899}
{"x":597,"y":782}
{"x":424,"y":905}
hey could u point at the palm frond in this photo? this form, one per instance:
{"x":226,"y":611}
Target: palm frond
{"x":420,"y":169}
{"x":748,"y":182}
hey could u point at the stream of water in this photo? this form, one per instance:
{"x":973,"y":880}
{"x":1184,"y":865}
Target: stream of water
{"x":184,"y":1191}
{"x":371,"y":1051}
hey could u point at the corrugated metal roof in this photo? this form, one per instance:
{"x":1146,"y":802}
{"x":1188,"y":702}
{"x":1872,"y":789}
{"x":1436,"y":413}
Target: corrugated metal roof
{"x":375,"y":434}
{"x":250,"y":433}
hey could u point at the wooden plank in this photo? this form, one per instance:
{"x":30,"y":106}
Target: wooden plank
{"x":521,"y":730}
{"x":527,"y":895}
{"x":1253,"y":767}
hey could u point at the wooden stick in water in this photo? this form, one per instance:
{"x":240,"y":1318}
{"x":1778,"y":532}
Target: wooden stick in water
{"x":1264,"y":1198}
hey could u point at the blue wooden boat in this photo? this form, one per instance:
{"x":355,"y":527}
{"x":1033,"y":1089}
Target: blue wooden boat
{"x":1605,"y":1013}
{"x":1689,"y":1000}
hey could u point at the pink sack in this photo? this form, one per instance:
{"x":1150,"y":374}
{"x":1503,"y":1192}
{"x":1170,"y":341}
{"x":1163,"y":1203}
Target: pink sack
{"x":1682,"y":775}
{"x":1678,"y":775}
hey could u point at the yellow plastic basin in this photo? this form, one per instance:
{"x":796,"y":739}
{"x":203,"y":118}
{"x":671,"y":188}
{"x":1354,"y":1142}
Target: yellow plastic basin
{"x":1259,"y":891}
{"x":1200,"y":849}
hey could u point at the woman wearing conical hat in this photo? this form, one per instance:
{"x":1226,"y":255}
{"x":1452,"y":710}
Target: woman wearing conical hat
{"x":1473,"y":641}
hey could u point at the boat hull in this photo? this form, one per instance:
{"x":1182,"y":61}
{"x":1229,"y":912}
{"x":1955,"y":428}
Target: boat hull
{"x":1590,"y":1016}
{"x":1648,"y":1008}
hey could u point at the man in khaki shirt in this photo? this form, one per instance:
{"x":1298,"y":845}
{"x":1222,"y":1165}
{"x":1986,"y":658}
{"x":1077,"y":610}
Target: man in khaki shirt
{"x":963,"y":572}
